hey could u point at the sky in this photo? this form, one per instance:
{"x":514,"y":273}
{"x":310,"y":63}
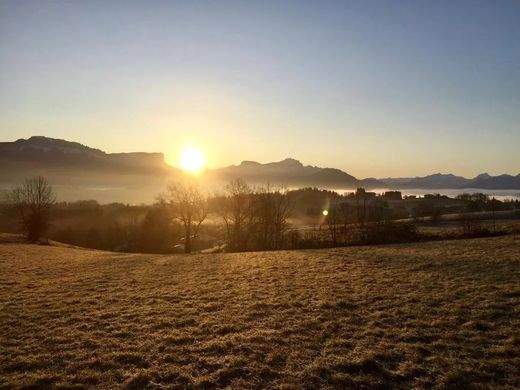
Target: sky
{"x":376,"y":88}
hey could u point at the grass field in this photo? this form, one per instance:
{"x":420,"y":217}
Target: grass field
{"x":438,"y":314}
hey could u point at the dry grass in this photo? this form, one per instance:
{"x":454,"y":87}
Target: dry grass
{"x":439,"y":314}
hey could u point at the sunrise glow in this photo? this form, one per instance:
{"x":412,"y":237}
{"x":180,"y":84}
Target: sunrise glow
{"x":192,"y":160}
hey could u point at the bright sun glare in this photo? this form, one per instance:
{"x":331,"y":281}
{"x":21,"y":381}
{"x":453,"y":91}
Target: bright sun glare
{"x":192,"y":160}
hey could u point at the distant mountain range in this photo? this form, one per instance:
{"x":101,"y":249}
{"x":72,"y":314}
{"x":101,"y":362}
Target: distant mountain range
{"x":449,"y":181}
{"x":74,"y":164}
{"x":292,"y":172}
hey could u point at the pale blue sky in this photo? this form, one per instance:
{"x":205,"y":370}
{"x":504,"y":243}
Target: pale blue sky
{"x":377,"y":88}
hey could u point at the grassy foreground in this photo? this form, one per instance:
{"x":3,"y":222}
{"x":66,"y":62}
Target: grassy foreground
{"x":438,"y":314}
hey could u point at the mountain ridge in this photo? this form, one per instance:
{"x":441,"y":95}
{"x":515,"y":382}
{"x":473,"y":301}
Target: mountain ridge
{"x":43,"y":154}
{"x":57,"y":153}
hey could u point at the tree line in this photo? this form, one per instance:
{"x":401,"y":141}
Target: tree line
{"x":241,"y":218}
{"x":254,"y":219}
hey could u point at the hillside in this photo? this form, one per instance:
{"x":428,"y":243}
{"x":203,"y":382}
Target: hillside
{"x":438,"y":314}
{"x":290,"y":172}
{"x":440,"y":180}
{"x":496,"y":182}
{"x":79,"y":172}
{"x":59,"y":154}
{"x":65,"y":162}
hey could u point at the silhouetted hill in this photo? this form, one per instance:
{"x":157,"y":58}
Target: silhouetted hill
{"x":79,"y":172}
{"x":290,"y":172}
{"x":502,"y":182}
{"x":449,"y":181}
{"x":437,"y":180}
{"x":60,"y":154}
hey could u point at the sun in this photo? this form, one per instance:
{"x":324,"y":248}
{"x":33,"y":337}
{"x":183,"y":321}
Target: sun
{"x":192,"y":160}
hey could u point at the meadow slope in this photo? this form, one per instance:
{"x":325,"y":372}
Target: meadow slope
{"x":438,"y":314}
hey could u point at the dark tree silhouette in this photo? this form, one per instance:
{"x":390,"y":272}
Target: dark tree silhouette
{"x":332,"y":220}
{"x":32,"y":202}
{"x":361,"y":208}
{"x":189,"y":206}
{"x":346,"y":212}
{"x":238,"y":212}
{"x":274,"y":208}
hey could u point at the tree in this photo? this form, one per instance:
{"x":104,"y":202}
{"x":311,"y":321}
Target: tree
{"x":332,"y":220}
{"x":237,"y":211}
{"x":346,"y":212}
{"x":282,"y":209}
{"x":155,"y":233}
{"x":361,"y":208}
{"x":378,"y":210}
{"x":494,"y":205}
{"x":189,"y":206}
{"x":32,"y":202}
{"x":273,"y":208}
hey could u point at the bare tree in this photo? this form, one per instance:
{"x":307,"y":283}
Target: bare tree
{"x":282,"y":208}
{"x":332,"y":221}
{"x":494,"y":206}
{"x":361,"y":207}
{"x":189,"y":206}
{"x":274,"y":208}
{"x":346,"y":214}
{"x":237,"y":211}
{"x":469,"y":223}
{"x":32,"y":202}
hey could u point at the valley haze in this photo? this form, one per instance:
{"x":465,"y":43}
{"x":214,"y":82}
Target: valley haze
{"x":78,"y":171}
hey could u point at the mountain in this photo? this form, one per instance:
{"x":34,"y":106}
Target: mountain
{"x":59,"y":154}
{"x":502,"y":182}
{"x":289,"y":172}
{"x":449,"y":181}
{"x":437,"y":180}
{"x":482,"y":176}
{"x":77,"y":171}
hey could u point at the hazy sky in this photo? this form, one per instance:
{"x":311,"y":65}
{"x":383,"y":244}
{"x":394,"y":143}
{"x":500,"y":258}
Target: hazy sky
{"x":377,"y":88}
